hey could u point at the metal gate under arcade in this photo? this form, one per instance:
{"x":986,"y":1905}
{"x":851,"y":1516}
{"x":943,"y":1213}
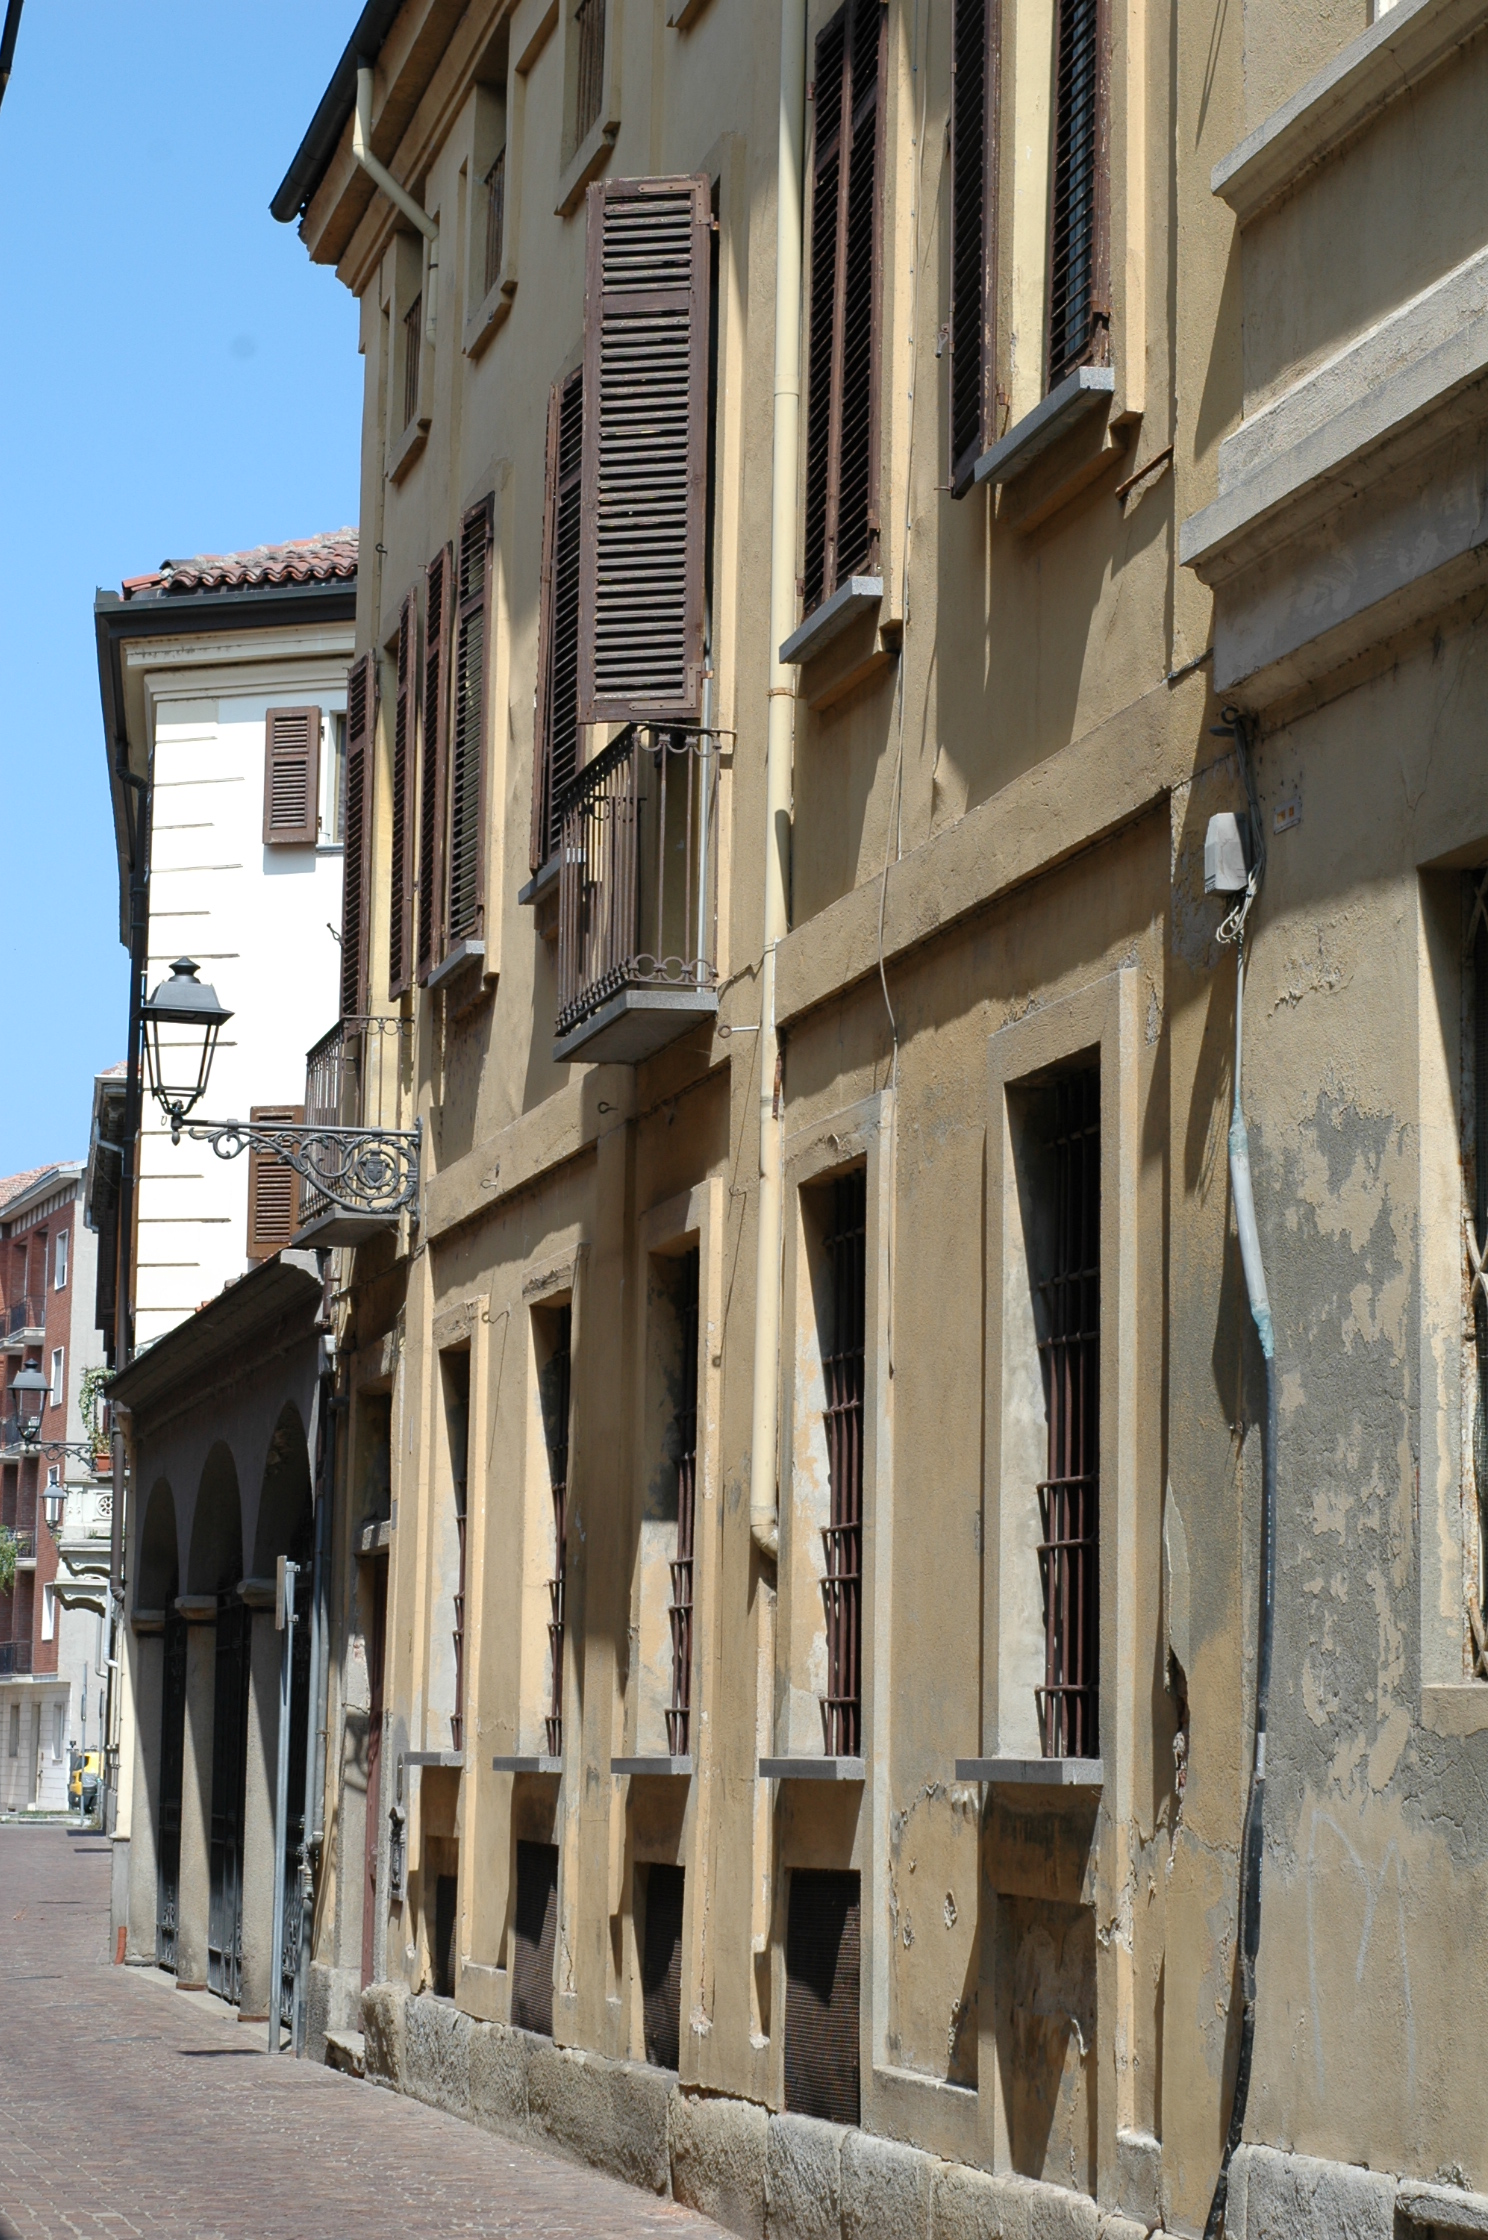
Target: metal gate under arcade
{"x":229,"y":1774}
{"x":172,"y":1751}
{"x":294,"y":1819}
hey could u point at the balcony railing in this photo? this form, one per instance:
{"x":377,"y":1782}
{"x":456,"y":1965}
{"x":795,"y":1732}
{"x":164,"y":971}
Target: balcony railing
{"x":637,"y":894}
{"x":25,"y":1315}
{"x":351,"y":1081}
{"x":15,"y":1656}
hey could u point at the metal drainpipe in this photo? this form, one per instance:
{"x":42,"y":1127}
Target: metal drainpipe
{"x":399,"y":197}
{"x":764,"y":1521}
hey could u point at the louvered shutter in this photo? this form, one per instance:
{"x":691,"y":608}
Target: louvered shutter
{"x":1079,"y":312}
{"x":843,"y":346}
{"x":974,"y":74}
{"x":400,"y":899}
{"x":645,"y":493}
{"x":435,"y":697}
{"x":291,"y":817}
{"x":822,"y":1995}
{"x":556,"y":755}
{"x":465,"y":887}
{"x":356,"y":860}
{"x":273,"y":1187}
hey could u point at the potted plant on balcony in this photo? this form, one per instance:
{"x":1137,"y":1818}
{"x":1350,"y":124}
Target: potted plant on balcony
{"x":94,"y":1385}
{"x":10,"y":1548}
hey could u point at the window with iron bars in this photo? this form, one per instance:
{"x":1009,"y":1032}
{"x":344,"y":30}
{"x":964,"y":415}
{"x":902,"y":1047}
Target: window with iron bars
{"x":843,"y":1373}
{"x":1069,"y":1354}
{"x":413,"y":319}
{"x":456,"y":1368}
{"x":554,"y":1382}
{"x":685,"y":1439}
{"x":589,"y":24}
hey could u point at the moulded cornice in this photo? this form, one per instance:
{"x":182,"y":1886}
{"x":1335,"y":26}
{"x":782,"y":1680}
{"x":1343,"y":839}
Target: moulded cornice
{"x":1393,"y":55}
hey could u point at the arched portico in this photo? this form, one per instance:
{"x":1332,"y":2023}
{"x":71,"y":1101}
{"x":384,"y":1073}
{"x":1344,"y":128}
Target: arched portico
{"x":156,"y":1648}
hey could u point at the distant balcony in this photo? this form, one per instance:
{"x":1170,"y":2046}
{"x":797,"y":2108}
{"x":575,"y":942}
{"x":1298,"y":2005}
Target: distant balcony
{"x":637,"y":896}
{"x":352,"y":1080}
{"x":24,"y":1323}
{"x":15,"y":1656}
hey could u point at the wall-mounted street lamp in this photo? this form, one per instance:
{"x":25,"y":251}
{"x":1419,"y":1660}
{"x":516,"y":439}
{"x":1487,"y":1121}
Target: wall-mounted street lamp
{"x":362,"y":1170}
{"x":28,"y":1392}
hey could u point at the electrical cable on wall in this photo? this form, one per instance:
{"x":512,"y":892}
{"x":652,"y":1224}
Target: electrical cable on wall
{"x":1230,"y":869}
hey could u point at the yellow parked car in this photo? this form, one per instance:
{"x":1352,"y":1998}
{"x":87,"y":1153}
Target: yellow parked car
{"x":82,"y":1785}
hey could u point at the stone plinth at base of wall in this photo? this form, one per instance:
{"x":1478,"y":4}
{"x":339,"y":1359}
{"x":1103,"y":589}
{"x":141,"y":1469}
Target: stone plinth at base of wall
{"x":763,"y":2176}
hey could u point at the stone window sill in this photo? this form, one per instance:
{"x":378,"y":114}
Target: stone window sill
{"x":812,"y":1769}
{"x":1385,"y":61}
{"x":1034,"y":1773}
{"x":588,"y":159}
{"x":489,"y":315}
{"x":462,"y":954}
{"x":652,"y":1769}
{"x":408,"y":446}
{"x":527,"y":1765}
{"x":1080,"y":395}
{"x":858,"y":595}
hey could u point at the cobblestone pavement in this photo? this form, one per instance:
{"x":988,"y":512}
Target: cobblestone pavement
{"x":125,"y":2109}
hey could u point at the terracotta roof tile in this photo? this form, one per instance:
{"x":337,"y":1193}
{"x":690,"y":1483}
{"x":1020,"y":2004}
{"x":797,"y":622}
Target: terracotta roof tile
{"x":330,"y":557}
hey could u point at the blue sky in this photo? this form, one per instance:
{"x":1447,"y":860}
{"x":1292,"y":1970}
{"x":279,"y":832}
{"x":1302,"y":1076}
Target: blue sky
{"x":177,"y":377}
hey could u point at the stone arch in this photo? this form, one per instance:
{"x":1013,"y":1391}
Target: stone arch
{"x":215,"y":1564}
{"x":158,"y":1574}
{"x":284,"y":1503}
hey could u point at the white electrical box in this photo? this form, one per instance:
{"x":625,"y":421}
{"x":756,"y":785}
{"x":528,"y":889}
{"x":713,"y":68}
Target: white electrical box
{"x":1225,"y":868}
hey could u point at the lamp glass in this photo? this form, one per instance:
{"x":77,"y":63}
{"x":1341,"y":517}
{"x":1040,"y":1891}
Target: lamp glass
{"x":28,"y":1392}
{"x":182,"y":1021}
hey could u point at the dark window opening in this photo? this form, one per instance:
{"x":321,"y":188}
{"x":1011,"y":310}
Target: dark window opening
{"x":413,"y":319}
{"x":1069,"y":1493}
{"x":553,"y":1385}
{"x":495,"y":219}
{"x":684,"y":1435}
{"x":822,"y":1972}
{"x":457,"y":1430}
{"x":1078,"y":317}
{"x":535,"y":1937}
{"x":446,"y":1890}
{"x":843,"y":1364}
{"x":661,"y":1965}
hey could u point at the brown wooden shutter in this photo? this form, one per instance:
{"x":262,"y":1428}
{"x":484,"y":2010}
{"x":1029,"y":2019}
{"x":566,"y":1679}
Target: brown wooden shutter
{"x":356,"y":861}
{"x":843,"y":349}
{"x":1079,"y":310}
{"x":556,"y":755}
{"x":273,"y":1187}
{"x":465,"y":885}
{"x":400,"y":895}
{"x":437,"y":592}
{"x":822,"y":1995}
{"x":645,"y":473}
{"x":535,"y":1937}
{"x":975,"y":60}
{"x":291,"y":817}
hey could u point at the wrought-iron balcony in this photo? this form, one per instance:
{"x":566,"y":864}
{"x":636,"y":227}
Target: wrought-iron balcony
{"x":24,"y":1323}
{"x":352,"y":1080}
{"x":637,"y":895}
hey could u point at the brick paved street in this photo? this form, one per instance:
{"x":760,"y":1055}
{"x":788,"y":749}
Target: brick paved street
{"x":126,"y":2109}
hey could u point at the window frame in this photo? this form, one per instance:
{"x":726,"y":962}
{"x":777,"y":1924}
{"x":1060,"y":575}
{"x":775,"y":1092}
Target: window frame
{"x":61,"y":1258}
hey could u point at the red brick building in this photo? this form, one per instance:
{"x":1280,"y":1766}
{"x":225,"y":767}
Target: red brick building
{"x":42,"y":1243}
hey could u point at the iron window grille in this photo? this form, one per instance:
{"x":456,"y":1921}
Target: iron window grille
{"x":843,"y":1368}
{"x":679,"y":1715}
{"x":975,"y":35}
{"x":589,"y":23}
{"x":637,"y":873}
{"x":1079,"y":319}
{"x":1069,"y":1493}
{"x":556,"y":1393}
{"x":457,"y":1420}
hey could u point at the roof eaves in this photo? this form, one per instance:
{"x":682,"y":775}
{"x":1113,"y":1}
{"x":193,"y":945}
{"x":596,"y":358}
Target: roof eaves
{"x":313,"y":156}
